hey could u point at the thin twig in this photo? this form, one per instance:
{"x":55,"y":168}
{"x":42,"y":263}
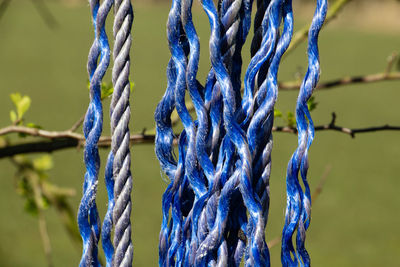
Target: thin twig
{"x":390,"y":61}
{"x":371,"y":78}
{"x":45,"y":14}
{"x":321,"y":183}
{"x":40,"y":133}
{"x":66,"y":139}
{"x":3,"y":7}
{"x":275,"y":241}
{"x":77,"y":123}
{"x":301,"y":35}
{"x":45,"y":237}
{"x":35,"y":183}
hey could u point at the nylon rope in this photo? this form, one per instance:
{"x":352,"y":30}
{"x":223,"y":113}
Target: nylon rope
{"x":298,"y":209}
{"x":215,"y":208}
{"x":118,"y":175}
{"x":123,"y":254}
{"x":88,"y":218}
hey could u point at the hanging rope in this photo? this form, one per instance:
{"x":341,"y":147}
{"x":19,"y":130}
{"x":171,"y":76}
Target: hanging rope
{"x":170,"y":229}
{"x":88,"y":218}
{"x":298,"y":210}
{"x":259,"y":132}
{"x":118,"y":178}
{"x":211,"y":233}
{"x":215,"y":208}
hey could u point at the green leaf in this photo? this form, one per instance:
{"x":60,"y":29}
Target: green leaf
{"x":311,"y":103}
{"x":30,"y":207}
{"x":291,"y":120}
{"x":277,"y":113}
{"x":106,"y":90}
{"x":132,"y":85}
{"x":22,"y":104}
{"x":44,"y":203}
{"x":13,"y":116}
{"x":43,"y":163}
{"x":33,"y":125}
{"x":15,"y":98}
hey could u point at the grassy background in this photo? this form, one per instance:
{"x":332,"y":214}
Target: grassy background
{"x":356,"y":218}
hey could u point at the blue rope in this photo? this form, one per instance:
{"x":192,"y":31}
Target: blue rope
{"x":298,"y":210}
{"x":233,"y":15}
{"x":215,"y":208}
{"x":170,"y":228}
{"x":206,"y":175}
{"x":258,"y":250}
{"x":88,"y":218}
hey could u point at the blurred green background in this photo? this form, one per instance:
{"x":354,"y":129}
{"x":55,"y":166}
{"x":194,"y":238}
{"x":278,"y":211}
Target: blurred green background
{"x":356,"y":218}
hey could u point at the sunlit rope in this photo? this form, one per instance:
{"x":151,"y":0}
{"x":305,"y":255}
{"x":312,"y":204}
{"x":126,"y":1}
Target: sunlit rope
{"x":120,"y":115}
{"x":259,"y":132}
{"x":170,"y":228}
{"x":231,"y":14}
{"x":88,"y":218}
{"x":215,"y":208}
{"x":258,"y":250}
{"x":298,"y":210}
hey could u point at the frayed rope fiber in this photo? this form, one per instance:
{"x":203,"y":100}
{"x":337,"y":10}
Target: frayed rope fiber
{"x":215,"y":208}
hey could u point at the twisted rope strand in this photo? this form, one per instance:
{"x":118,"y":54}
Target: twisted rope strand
{"x":230,"y":13}
{"x":298,"y":209}
{"x":88,"y":218}
{"x":207,"y":168}
{"x":260,"y":127}
{"x":171,"y":239}
{"x":258,"y":252}
{"x":120,"y":115}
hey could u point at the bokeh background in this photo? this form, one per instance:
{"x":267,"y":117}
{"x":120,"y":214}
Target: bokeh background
{"x":355,"y":221}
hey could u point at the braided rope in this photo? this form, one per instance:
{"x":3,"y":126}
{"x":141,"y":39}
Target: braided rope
{"x":298,"y":210}
{"x":88,"y":218}
{"x":120,"y":115}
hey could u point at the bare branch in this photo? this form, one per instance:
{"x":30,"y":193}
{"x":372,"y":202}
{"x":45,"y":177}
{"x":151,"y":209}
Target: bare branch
{"x":321,"y":183}
{"x":77,"y":124}
{"x":66,"y":139}
{"x":45,"y":13}
{"x":390,"y":61}
{"x":301,"y":35}
{"x":3,"y":7}
{"x":275,"y":241}
{"x":40,"y":133}
{"x":371,"y":78}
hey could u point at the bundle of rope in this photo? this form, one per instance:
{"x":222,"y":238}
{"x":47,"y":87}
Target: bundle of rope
{"x":215,"y":208}
{"x":118,"y":178}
